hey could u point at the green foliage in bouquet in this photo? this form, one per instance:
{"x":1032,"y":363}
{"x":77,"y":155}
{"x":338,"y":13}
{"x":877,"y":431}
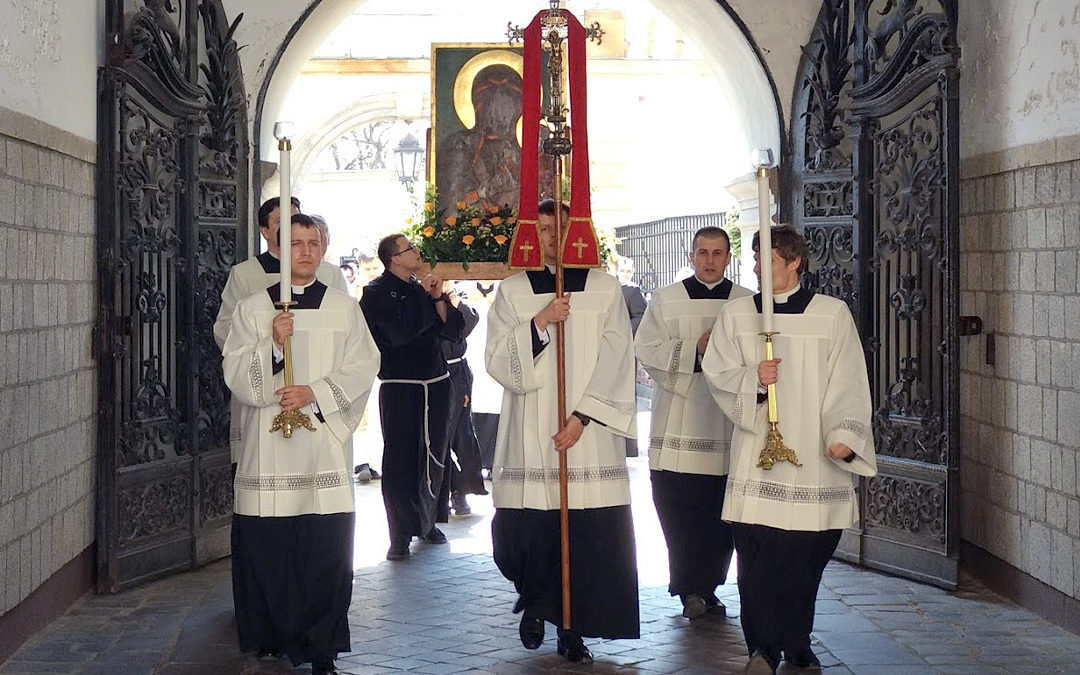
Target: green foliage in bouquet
{"x":471,"y":234}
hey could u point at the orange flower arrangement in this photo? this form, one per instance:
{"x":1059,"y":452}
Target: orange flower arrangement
{"x":468,"y":239}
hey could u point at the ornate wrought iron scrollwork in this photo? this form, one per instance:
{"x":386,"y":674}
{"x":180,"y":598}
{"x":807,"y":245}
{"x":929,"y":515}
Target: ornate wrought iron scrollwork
{"x":153,"y":509}
{"x":909,"y":184}
{"x":829,"y":51}
{"x":831,"y":263}
{"x":217,"y":200}
{"x":909,"y":424}
{"x":149,"y":181}
{"x":222,"y":87}
{"x":217,"y":254}
{"x":215,"y":493}
{"x":913,"y":507}
{"x":827,"y":199}
{"x":151,"y":300}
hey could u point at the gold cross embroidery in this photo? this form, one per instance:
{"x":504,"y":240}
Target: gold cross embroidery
{"x":580,"y":245}
{"x":526,"y":248}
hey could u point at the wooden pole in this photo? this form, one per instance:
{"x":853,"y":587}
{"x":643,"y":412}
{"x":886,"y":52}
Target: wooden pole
{"x":560,"y":353}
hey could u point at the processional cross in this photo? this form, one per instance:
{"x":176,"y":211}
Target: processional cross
{"x":556,"y":27}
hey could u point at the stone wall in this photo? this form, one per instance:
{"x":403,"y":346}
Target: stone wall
{"x":47,"y":382}
{"x":1020,"y":236}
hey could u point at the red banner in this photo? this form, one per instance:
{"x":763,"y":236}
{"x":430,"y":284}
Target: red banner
{"x":580,"y":245}
{"x":525,"y":247}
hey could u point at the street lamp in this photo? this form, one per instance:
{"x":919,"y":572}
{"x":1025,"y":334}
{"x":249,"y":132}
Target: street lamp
{"x":408,"y":153}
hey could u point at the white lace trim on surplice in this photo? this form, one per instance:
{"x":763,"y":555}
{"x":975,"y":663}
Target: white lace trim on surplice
{"x":317,"y":481}
{"x":689,"y":444}
{"x":585,"y":474}
{"x":797,"y":494}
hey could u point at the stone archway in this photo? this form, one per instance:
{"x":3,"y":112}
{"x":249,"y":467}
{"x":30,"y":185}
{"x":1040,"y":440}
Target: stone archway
{"x":717,"y":26}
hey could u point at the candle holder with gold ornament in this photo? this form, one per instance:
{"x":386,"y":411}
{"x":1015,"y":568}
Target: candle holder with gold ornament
{"x":288,"y":421}
{"x":775,"y":450}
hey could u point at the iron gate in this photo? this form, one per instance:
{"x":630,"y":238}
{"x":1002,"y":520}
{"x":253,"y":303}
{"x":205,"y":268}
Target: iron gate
{"x":171,"y":221}
{"x":875,"y":138}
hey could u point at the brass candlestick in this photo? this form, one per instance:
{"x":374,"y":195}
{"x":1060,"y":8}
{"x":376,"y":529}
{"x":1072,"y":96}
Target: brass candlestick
{"x":774,"y":450}
{"x":288,"y":421}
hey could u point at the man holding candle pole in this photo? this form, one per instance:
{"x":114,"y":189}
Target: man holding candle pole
{"x":690,"y":438}
{"x":292,"y":534}
{"x":253,"y":276}
{"x":787,"y":519}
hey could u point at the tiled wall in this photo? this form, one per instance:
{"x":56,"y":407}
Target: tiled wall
{"x":47,"y":378}
{"x":1020,"y":237}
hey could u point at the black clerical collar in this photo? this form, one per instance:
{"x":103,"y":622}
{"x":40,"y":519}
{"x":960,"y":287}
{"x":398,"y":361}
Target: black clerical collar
{"x":311,"y":298}
{"x":699,"y":291}
{"x":796,"y":304}
{"x":543,"y":281}
{"x":270,"y":264}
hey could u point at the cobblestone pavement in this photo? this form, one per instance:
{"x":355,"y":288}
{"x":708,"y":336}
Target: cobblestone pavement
{"x":447,"y":610}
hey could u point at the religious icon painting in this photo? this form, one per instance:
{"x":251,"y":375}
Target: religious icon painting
{"x":476,"y":126}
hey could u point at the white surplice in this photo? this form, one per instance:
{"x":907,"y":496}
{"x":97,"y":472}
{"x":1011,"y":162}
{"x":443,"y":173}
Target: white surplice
{"x":333,"y":353}
{"x":246,"y":278}
{"x":599,"y":384}
{"x":688,"y":433}
{"x":823,"y":397}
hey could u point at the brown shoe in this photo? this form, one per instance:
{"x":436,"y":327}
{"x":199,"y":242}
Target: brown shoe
{"x":459,"y":504}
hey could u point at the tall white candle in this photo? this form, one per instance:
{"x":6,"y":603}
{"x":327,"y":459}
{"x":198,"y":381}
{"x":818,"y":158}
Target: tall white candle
{"x":763,"y":160}
{"x":285,"y":211}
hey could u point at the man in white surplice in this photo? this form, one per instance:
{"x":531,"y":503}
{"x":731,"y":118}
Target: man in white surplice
{"x":521,"y":356}
{"x":252,"y":276}
{"x":293,"y":525}
{"x":689,"y":437}
{"x":787,"y":520}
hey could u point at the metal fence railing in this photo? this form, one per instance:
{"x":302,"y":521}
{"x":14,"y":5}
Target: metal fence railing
{"x":658,"y":248}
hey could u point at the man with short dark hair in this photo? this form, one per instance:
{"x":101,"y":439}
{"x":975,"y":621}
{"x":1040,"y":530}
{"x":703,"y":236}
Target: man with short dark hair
{"x":600,"y":400}
{"x":254,"y":275}
{"x":292,"y":532}
{"x":409,"y":320}
{"x":689,"y":436}
{"x":787,"y":519}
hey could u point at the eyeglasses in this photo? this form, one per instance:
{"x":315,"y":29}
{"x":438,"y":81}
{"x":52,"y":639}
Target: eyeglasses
{"x":410,"y":247}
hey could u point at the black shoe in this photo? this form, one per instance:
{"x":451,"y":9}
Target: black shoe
{"x":761,"y":663}
{"x":435,"y":536}
{"x":531,"y":631}
{"x":268,"y":653}
{"x":715,"y":606}
{"x":459,"y":504}
{"x":324,"y":668}
{"x":398,"y":551}
{"x":572,"y":647}
{"x":375,"y":475}
{"x":803,"y":658}
{"x":694,"y":606}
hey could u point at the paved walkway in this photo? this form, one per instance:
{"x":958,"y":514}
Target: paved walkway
{"x":447,"y":610}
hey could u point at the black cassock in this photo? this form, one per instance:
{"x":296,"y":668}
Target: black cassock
{"x":466,"y":475}
{"x":414,"y":399}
